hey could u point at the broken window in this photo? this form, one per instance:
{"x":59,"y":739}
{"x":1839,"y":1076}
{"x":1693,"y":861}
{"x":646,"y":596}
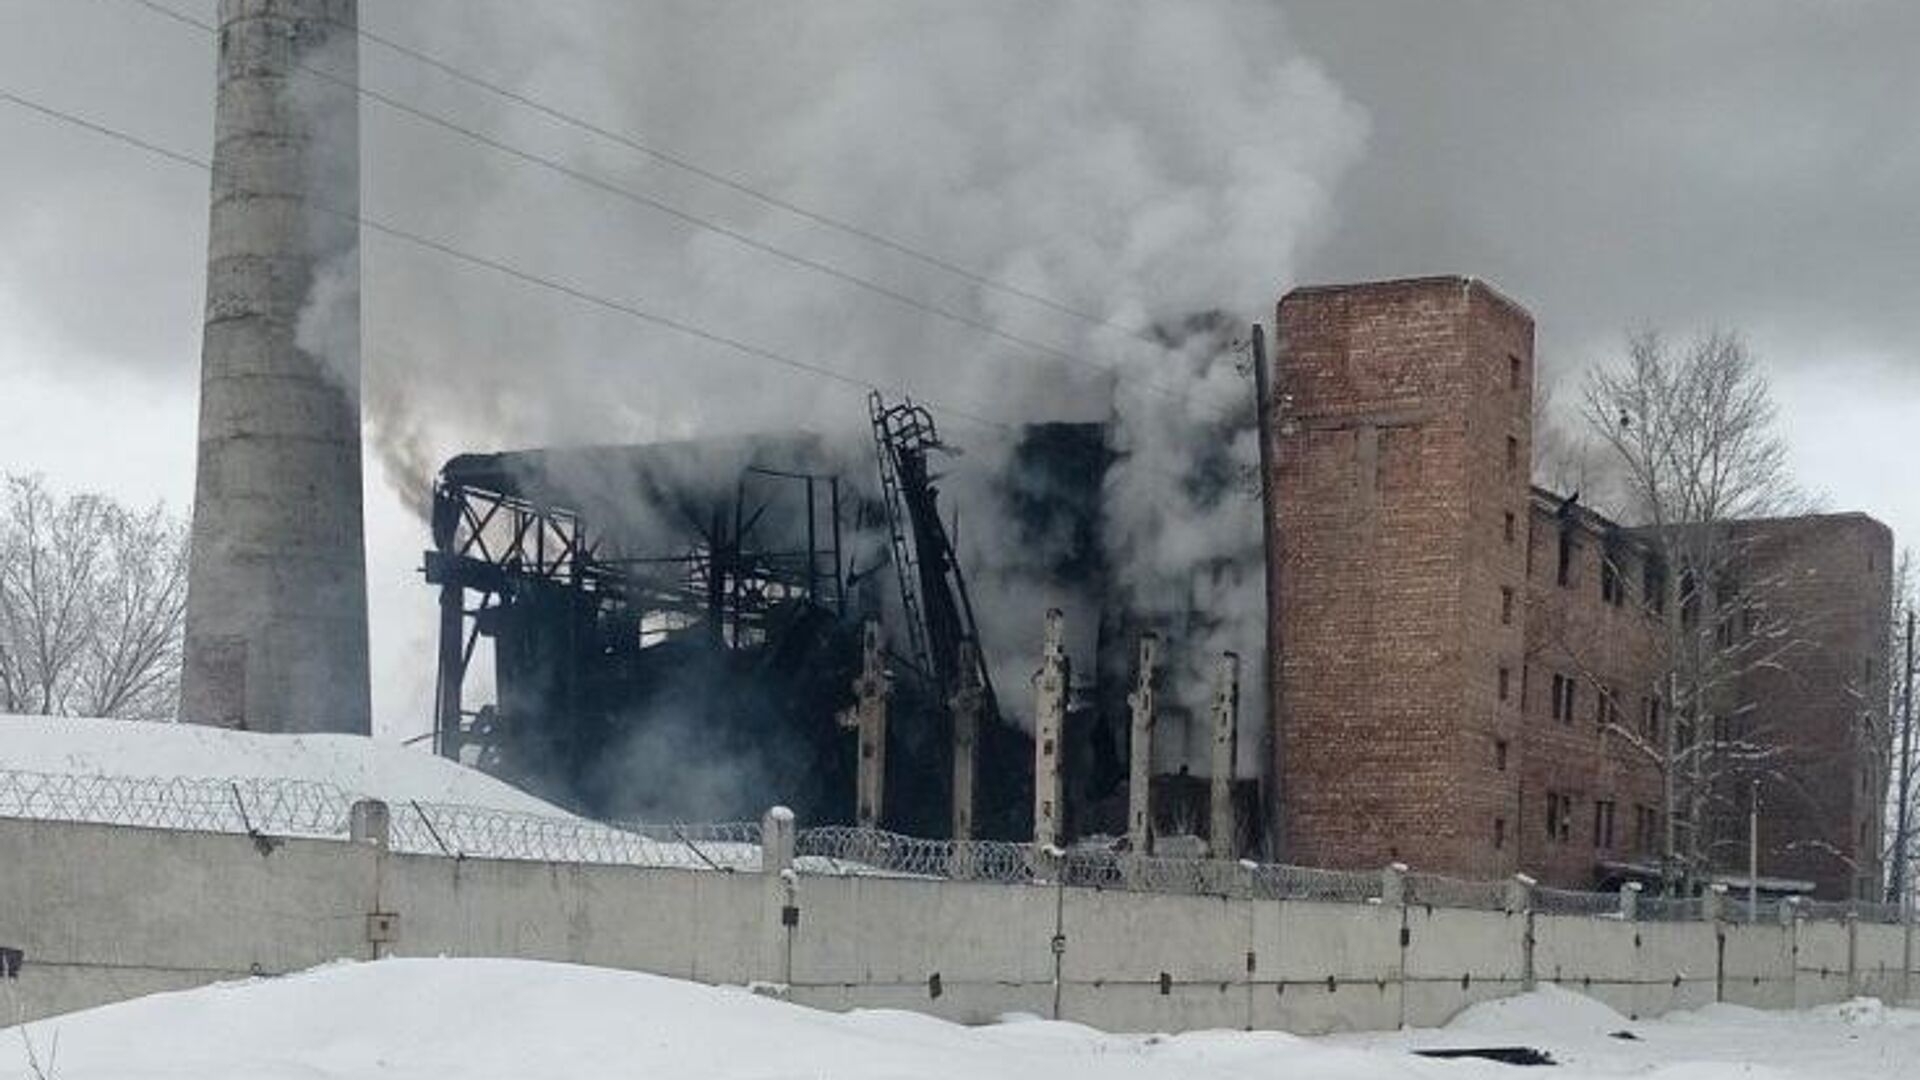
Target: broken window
{"x":1559,"y":816}
{"x":1603,"y":823}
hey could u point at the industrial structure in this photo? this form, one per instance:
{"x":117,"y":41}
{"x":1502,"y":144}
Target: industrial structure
{"x":276,"y":628}
{"x":1472,"y":676}
{"x":1460,"y":669}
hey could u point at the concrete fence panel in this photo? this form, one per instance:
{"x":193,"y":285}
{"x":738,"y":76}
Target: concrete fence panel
{"x":964,"y":951}
{"x":1757,"y":965}
{"x":1592,"y":954}
{"x":103,"y":913}
{"x":1326,"y":967}
{"x":1820,"y":963}
{"x":1141,"y":962}
{"x":1879,"y":952}
{"x":1456,"y":958}
{"x":1678,"y":965}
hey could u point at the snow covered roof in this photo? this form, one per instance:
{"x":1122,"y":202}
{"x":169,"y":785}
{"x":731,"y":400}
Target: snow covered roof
{"x":360,"y":766}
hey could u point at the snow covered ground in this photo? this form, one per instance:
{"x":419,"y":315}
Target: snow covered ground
{"x":360,"y":766}
{"x":482,"y":1019}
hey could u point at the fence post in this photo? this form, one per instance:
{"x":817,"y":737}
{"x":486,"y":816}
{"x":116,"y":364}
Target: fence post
{"x":1393,"y":885}
{"x":1630,"y":901}
{"x":780,"y":900}
{"x":1791,"y":914}
{"x":1713,"y":903}
{"x":1393,"y":894}
{"x":370,"y":823}
{"x":1853,"y":953}
{"x":1906,"y":948}
{"x":1519,"y":901}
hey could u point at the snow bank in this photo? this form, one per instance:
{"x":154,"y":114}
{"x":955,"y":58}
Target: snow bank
{"x":485,"y":1019}
{"x":360,"y":766}
{"x":1548,"y":1010}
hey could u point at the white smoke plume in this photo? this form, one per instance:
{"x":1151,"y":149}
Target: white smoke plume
{"x":1140,"y":161}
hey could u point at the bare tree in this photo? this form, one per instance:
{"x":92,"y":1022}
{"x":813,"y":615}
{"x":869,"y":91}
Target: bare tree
{"x":92,"y":602}
{"x":1903,"y":795}
{"x":1691,"y":433}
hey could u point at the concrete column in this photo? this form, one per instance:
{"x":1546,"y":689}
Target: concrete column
{"x":1853,"y":954}
{"x":1519,"y":901}
{"x":1519,"y":894}
{"x":1630,"y":901}
{"x":1140,"y":749}
{"x":1713,"y":903}
{"x":1222,"y":834}
{"x":781,"y":905}
{"x":276,"y":623}
{"x":1049,"y":722}
{"x":965,"y":707}
{"x":370,"y":822}
{"x":868,"y":720}
{"x":1393,"y":885}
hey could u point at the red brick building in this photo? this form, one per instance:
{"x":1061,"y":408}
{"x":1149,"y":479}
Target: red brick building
{"x":1470,"y":668}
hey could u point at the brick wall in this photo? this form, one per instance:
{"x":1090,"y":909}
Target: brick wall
{"x":1416,"y":564}
{"x":1394,"y":473}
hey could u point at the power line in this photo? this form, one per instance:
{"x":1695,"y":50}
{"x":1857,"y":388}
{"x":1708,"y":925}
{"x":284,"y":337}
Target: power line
{"x":695,"y":221}
{"x":714,"y":176}
{"x":525,"y":276}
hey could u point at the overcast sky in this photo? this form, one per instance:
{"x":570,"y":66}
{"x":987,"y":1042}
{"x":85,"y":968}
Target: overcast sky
{"x":1749,"y":165}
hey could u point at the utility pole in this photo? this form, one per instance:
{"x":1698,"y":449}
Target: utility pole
{"x":1049,"y":720}
{"x":1903,"y":812}
{"x":1140,"y":749}
{"x":1275,"y":729}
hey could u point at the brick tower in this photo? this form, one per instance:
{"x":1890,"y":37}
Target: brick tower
{"x":1403,"y":417}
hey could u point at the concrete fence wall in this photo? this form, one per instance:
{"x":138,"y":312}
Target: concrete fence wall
{"x":102,"y":913}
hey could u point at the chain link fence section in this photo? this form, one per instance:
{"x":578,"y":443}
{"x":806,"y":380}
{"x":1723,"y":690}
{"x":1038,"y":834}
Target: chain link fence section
{"x":257,"y":806}
{"x":1841,"y":910}
{"x":1440,"y":891}
{"x":1670,"y":909}
{"x":1548,"y":901}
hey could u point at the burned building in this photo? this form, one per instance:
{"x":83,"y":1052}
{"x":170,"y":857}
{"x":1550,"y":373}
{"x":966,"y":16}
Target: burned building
{"x":1471,"y":677}
{"x":679,"y":631}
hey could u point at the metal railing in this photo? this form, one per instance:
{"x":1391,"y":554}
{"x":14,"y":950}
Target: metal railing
{"x":271,"y":809}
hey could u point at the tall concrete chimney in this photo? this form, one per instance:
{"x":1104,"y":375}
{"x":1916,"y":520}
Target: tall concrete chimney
{"x":276,"y":634}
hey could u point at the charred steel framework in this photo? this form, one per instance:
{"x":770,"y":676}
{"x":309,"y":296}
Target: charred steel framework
{"x":941,"y":631}
{"x":495,"y":543}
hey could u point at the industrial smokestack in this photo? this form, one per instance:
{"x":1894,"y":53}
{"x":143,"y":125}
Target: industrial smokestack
{"x":276,"y":635}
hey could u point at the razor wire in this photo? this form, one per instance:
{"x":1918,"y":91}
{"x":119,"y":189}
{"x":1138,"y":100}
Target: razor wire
{"x":481,"y":833}
{"x":1441,"y":891}
{"x":288,"y":808}
{"x":269,"y":807}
